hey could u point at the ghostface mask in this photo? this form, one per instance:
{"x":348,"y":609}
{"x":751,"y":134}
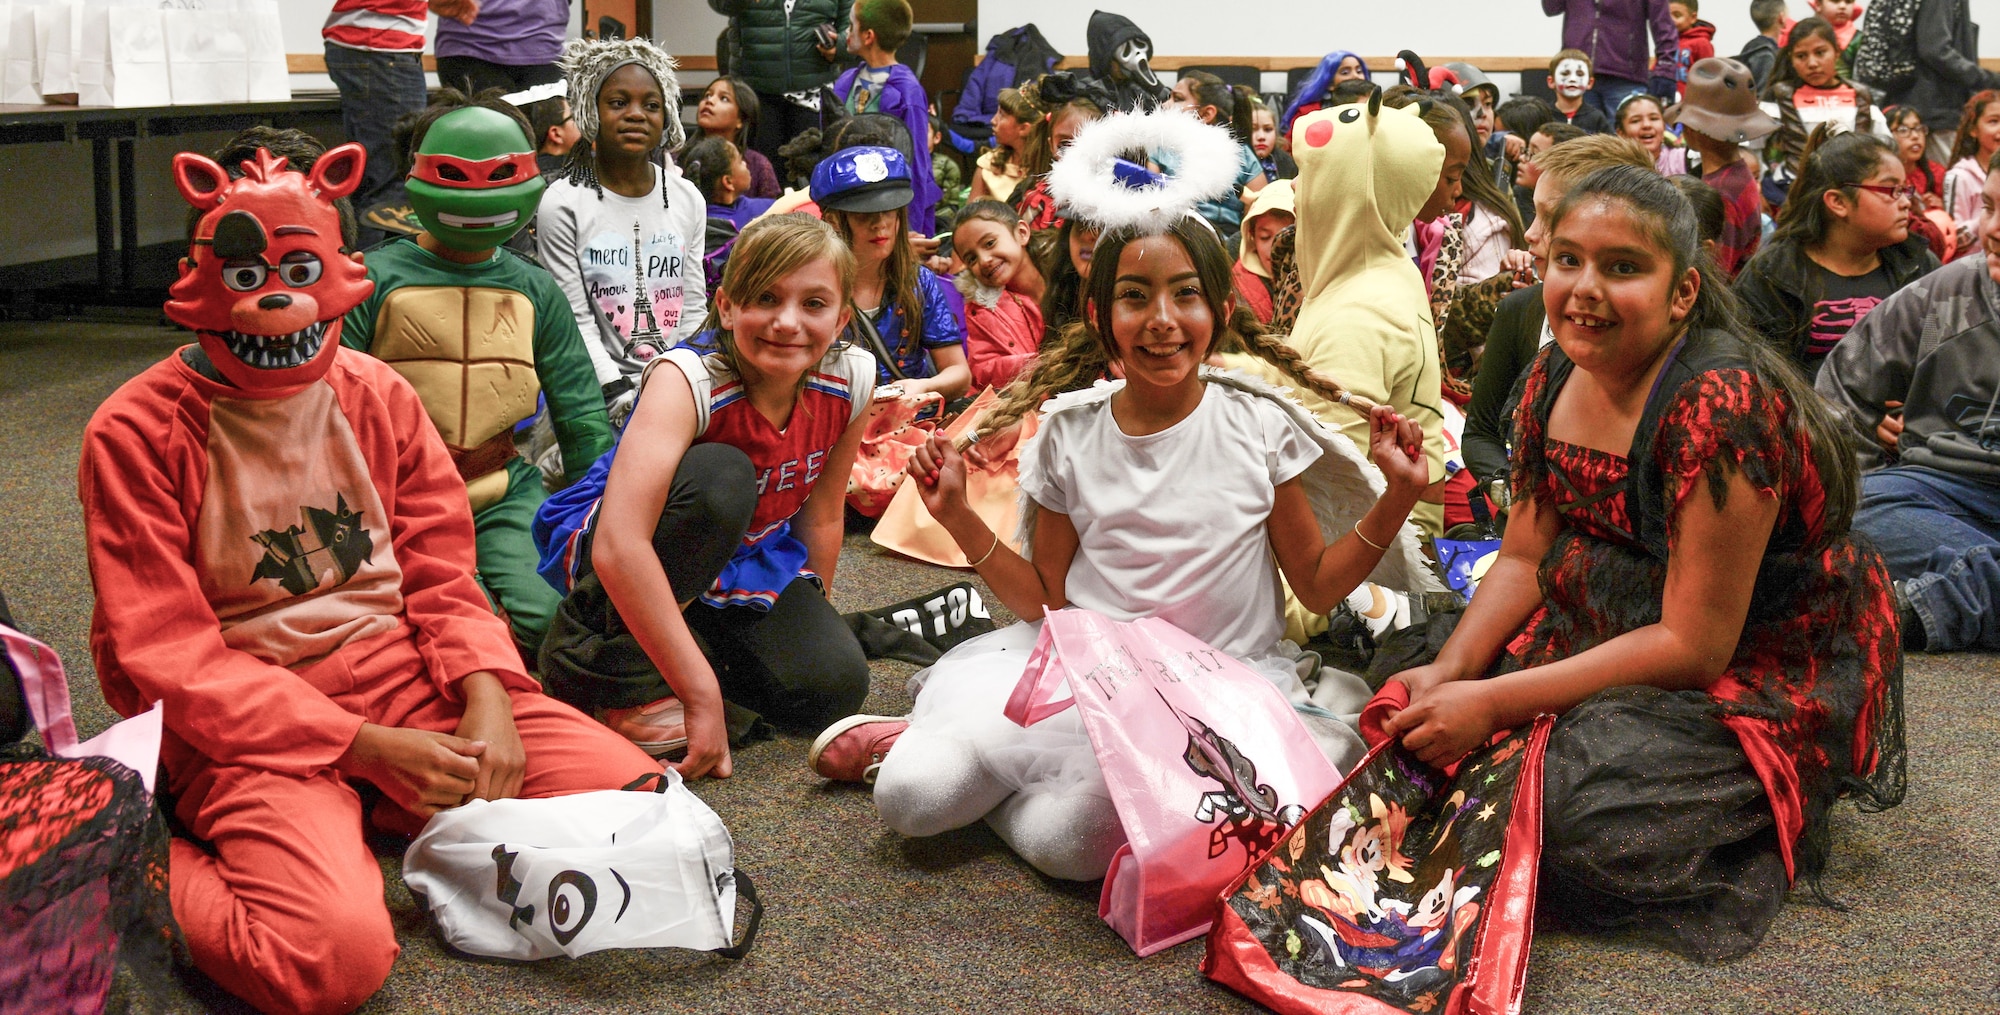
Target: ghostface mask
{"x":267,"y":279}
{"x":1135,"y":57}
{"x":474,"y":182}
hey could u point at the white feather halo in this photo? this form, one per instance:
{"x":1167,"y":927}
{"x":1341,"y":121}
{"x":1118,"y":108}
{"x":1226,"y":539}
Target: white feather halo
{"x":1204,"y":158}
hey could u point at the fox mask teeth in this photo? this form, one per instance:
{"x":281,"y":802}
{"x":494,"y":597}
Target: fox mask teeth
{"x":276,"y":352}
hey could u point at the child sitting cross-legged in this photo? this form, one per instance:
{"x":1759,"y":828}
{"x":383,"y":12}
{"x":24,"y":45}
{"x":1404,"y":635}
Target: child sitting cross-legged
{"x":1115,"y":525}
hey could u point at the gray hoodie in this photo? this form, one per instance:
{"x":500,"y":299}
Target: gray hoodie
{"x":1935,"y":346}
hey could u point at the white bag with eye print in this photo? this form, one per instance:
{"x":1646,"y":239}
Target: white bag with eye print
{"x":533,"y":879}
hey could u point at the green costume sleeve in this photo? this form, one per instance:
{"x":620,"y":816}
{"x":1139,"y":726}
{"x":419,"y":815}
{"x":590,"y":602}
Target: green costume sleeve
{"x":357,"y":329}
{"x":569,"y":382}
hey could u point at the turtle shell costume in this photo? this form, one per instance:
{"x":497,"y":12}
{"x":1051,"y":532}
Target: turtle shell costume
{"x":484,"y":342}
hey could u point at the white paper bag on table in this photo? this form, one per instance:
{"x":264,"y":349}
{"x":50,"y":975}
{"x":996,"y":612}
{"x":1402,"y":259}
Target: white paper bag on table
{"x":58,"y":37}
{"x":20,"y":62}
{"x":206,"y":61}
{"x":123,"y":61}
{"x":269,"y":76}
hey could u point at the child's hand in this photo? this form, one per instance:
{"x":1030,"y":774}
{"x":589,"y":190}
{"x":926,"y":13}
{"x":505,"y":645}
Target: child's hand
{"x":489,"y":719}
{"x":418,"y":770}
{"x":1516,"y":146}
{"x":992,"y":449}
{"x":1396,"y":443}
{"x":930,"y":252}
{"x":939,"y":473}
{"x":1421,"y":679}
{"x":461,"y":11}
{"x":708,"y":742}
{"x":1889,"y":432}
{"x":1521,"y":264}
{"x":1442,"y":724}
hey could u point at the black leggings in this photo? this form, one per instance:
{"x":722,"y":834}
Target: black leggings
{"x":797,"y":664}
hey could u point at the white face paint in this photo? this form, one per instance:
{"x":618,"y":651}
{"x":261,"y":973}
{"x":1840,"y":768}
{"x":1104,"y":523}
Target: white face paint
{"x":1572,"y":78}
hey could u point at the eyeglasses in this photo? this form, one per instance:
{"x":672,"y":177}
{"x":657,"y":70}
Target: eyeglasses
{"x":1906,"y":130}
{"x":1906,"y":192}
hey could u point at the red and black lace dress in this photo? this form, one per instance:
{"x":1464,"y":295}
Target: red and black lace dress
{"x":1688,"y":814}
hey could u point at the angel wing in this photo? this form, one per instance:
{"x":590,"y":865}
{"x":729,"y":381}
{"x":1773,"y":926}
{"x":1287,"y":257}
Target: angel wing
{"x":1342,"y":486}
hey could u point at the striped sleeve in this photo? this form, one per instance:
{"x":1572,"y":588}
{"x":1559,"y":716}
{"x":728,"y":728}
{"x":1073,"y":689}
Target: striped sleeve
{"x":388,"y":25}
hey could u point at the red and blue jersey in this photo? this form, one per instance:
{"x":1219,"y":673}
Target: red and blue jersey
{"x":789,"y":462}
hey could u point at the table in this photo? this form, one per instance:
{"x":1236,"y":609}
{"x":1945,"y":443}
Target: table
{"x":111,"y":133}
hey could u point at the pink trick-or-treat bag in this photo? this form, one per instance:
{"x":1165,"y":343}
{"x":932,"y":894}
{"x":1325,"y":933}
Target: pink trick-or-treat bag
{"x":1205,"y":759}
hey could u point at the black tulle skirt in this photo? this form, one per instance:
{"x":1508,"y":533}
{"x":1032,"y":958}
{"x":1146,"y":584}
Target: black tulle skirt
{"x":1653,"y":821}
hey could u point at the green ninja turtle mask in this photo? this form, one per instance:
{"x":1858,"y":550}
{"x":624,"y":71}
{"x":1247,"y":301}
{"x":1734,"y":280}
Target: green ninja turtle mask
{"x":474,"y":183}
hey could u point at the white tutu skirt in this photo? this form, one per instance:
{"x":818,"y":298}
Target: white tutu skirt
{"x":963,"y":697}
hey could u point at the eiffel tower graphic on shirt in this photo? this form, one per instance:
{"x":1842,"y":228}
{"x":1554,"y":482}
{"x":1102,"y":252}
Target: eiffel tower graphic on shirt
{"x":645,"y":341}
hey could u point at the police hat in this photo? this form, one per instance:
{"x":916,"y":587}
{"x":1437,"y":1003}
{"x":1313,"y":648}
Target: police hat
{"x":863,"y":179}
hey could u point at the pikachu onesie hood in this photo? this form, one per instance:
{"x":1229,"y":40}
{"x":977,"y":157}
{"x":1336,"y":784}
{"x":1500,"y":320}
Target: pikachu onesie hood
{"x":1364,"y":172}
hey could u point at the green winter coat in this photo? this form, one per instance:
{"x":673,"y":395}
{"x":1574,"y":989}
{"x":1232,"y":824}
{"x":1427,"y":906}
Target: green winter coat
{"x":775,"y":51}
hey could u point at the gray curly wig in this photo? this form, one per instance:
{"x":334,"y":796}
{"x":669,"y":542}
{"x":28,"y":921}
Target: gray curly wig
{"x":587,"y":62}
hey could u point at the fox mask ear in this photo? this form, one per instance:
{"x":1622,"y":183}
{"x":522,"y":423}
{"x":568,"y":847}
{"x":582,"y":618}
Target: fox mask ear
{"x":200,"y":180}
{"x":338,"y":173}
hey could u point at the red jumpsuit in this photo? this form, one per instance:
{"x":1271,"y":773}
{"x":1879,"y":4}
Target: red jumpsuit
{"x":279,"y":568}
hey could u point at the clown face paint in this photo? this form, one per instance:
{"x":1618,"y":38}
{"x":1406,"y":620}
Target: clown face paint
{"x":267,"y":279}
{"x":475,"y":182}
{"x":1572,"y":79}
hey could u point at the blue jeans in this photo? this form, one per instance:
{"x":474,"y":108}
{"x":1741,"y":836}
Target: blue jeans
{"x":1940,"y":535}
{"x":376,"y":88}
{"x":1606,"y":93}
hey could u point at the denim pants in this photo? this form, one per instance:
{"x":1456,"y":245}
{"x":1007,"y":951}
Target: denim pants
{"x":376,"y":88}
{"x":1940,"y":535}
{"x":1608,"y":92}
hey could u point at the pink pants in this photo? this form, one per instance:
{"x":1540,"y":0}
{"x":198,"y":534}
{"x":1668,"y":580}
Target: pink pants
{"x":287,"y":912}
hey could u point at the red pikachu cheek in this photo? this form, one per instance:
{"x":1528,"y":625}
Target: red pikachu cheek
{"x":1319,"y":133}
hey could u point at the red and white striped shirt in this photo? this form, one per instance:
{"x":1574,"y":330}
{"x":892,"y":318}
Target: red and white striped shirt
{"x":391,"y":25}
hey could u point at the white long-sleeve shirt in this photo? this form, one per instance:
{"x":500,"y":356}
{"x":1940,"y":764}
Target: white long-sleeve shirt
{"x":603,"y":249}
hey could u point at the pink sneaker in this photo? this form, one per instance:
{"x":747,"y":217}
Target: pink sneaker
{"x":658,"y":728}
{"x":852,"y":749}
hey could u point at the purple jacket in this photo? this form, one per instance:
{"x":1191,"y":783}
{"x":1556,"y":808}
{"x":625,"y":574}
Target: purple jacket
{"x":903,"y":98}
{"x":513,"y":33}
{"x":1614,"y":33}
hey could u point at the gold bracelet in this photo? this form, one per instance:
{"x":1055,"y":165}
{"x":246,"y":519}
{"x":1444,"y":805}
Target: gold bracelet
{"x":1365,"y":539}
{"x":989,"y":552}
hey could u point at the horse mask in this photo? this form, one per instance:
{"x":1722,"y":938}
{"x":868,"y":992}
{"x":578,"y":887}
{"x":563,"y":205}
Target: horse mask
{"x":267,"y":278}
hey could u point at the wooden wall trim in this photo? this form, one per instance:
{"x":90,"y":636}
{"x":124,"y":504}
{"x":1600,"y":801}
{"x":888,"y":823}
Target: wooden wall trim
{"x":315,"y":63}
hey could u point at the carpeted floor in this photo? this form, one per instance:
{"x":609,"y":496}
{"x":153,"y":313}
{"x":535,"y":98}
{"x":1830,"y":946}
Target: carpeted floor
{"x":861,"y":919}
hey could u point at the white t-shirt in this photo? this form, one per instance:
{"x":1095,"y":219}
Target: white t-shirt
{"x":1175,"y":524}
{"x":588,"y":242}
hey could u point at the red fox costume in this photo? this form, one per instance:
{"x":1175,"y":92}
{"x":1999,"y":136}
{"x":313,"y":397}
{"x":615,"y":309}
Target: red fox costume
{"x":283,"y":553}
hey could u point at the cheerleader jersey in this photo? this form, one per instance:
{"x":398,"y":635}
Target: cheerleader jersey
{"x":788,"y":463}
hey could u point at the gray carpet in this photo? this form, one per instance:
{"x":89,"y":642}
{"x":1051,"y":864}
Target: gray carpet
{"x":863,"y":920}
